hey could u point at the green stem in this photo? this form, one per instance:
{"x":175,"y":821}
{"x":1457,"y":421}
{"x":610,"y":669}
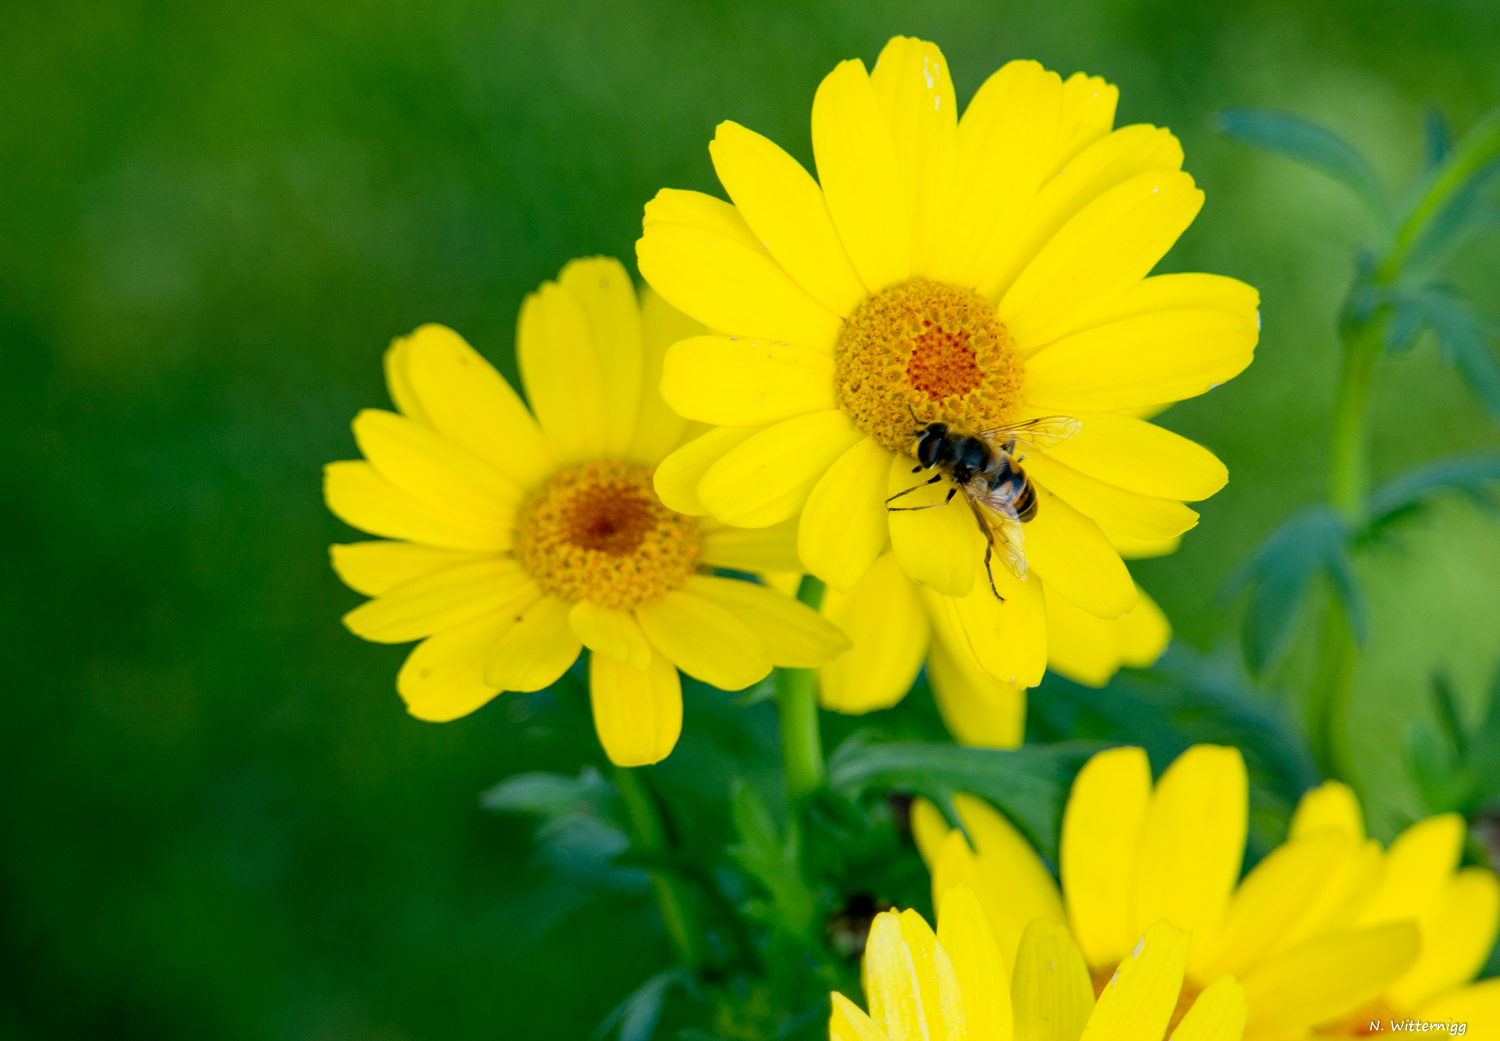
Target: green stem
{"x":1327,"y":706}
{"x":674,"y":900}
{"x":797,"y":702}
{"x":1349,"y":477}
{"x":1479,"y":146}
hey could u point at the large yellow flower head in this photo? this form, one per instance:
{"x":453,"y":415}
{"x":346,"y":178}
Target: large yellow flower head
{"x":1326,"y":932}
{"x":955,"y":986}
{"x":520,"y":538}
{"x":985,"y":272}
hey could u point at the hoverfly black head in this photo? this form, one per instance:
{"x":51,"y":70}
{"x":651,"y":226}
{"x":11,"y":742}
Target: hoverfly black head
{"x":929,"y":443}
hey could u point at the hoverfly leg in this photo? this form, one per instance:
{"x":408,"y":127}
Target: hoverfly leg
{"x":935,"y":479}
{"x":929,"y":506}
{"x":917,"y":469}
{"x":988,"y":551}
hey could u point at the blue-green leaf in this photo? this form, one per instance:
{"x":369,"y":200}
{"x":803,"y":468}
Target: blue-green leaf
{"x":1029,"y":784}
{"x":1279,"y":574}
{"x":1311,"y":144}
{"x":638,"y":1014}
{"x":1474,"y":474}
{"x":1437,"y":139}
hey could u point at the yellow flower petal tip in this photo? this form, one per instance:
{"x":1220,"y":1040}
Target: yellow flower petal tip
{"x":511,"y":539}
{"x":991,"y":275}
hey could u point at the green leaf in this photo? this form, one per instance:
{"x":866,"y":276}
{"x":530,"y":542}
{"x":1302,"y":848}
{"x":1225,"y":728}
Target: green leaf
{"x":1429,"y":760}
{"x":1474,"y":474}
{"x":774,"y":862}
{"x":553,"y":796}
{"x":638,"y":1014}
{"x":1029,"y":784}
{"x":1279,"y":573}
{"x":1437,"y":139}
{"x":1484,"y":750}
{"x":1313,"y":145}
{"x":1463,"y":217}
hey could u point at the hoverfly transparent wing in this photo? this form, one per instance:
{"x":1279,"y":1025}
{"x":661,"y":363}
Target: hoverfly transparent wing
{"x":1042,"y":434}
{"x":1002,"y":527}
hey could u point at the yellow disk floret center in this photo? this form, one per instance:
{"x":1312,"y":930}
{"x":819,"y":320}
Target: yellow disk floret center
{"x":930,"y":348}
{"x":598,"y":532}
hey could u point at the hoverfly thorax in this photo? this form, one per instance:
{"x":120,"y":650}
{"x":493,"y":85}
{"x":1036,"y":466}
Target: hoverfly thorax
{"x":930,"y":443}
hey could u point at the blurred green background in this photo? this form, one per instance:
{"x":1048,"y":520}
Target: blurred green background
{"x":218,"y":822}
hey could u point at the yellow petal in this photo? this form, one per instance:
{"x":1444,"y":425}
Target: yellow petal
{"x":1141,"y":549}
{"x":637,"y":712}
{"x":676,"y":479}
{"x":1006,"y":635}
{"x":1477,"y":1005}
{"x":1417,"y":866}
{"x":361,"y":497}
{"x":659,"y":429}
{"x":1184,"y":292}
{"x":1161,"y":356}
{"x":913,"y":89}
{"x":443,"y":677}
{"x":848,"y":1023}
{"x":1332,"y":805}
{"x":1458,"y":933}
{"x":1076,"y":560}
{"x":792,"y":634}
{"x":373,"y":568}
{"x":861,"y":183}
{"x":1005,"y":140}
{"x":965,"y":934}
{"x":1101,"y":832}
{"x":784,"y":206}
{"x":438,"y":601}
{"x":1110,"y":506}
{"x":929,"y":830}
{"x":1287,"y":898}
{"x":1083,"y":647}
{"x":1008,"y":864}
{"x":977,"y":709}
{"x":1050,"y":992}
{"x":1143,"y":634}
{"x":1193,"y":841}
{"x":888,"y":632}
{"x":535,"y":650}
{"x":604,"y":289}
{"x":745,"y":382}
{"x":757,"y":550}
{"x":1100,"y":253}
{"x":432,"y":468}
{"x":722,"y":276}
{"x":769,"y":476}
{"x":561,"y":371}
{"x":1218,"y":1014}
{"x":935,"y":544}
{"x":1139,"y":998}
{"x":1142,"y":457}
{"x":398,"y":382}
{"x":1088,"y":113}
{"x":893,"y":985}
{"x":1105,"y":164}
{"x":843,"y":526}
{"x":938,"y":992}
{"x":1326,"y":978}
{"x":612,"y":632}
{"x":463,"y":398}
{"x":704,"y":640}
{"x":956,"y":865}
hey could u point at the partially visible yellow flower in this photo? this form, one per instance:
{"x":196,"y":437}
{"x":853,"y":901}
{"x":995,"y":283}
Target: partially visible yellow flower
{"x":954,"y":986}
{"x":985,"y":271}
{"x":894,"y":625}
{"x":1295,"y":932}
{"x":523,"y":540}
{"x":1456,"y":909}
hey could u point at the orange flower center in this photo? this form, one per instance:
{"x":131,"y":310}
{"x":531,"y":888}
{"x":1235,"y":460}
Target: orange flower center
{"x":598,"y":532}
{"x":928,"y":348}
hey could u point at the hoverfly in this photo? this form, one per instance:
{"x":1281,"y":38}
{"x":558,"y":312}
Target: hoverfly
{"x":986,"y":467}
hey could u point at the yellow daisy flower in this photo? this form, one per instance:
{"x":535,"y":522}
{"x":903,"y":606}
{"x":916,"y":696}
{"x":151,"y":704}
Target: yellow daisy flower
{"x":954,"y":985}
{"x":524,"y":538}
{"x":894,"y":624}
{"x":1457,"y":911}
{"x":1297,"y":932}
{"x":984,"y":271}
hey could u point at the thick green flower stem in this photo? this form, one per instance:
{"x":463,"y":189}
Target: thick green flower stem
{"x":1327,"y":704}
{"x":797,"y":702}
{"x":674,"y":900}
